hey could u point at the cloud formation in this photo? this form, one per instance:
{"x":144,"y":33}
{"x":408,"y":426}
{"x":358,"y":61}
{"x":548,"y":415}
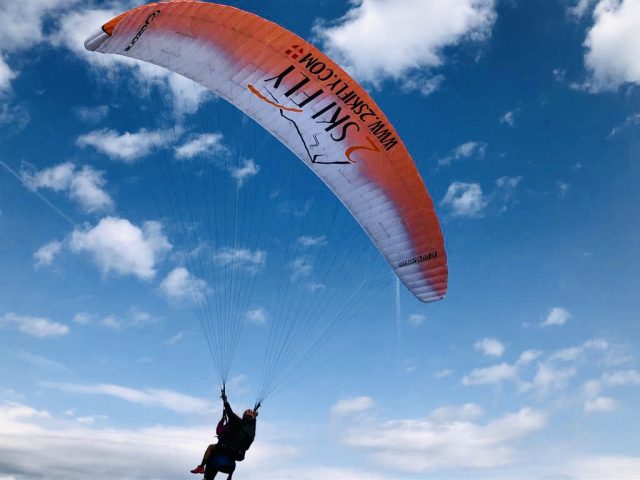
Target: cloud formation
{"x":557,"y":317}
{"x":119,"y":247}
{"x":242,"y":174}
{"x":159,"y":452}
{"x":465,"y":199}
{"x":93,"y":114}
{"x":491,"y":347}
{"x":7,"y":74}
{"x":310,"y":241}
{"x":449,"y":438}
{"x":509,"y":118}
{"x":301,"y":267}
{"x":84,"y":185}
{"x":463,"y":151}
{"x":242,"y":258}
{"x":43,"y":362}
{"x":39,"y":327}
{"x":257,"y":316}
{"x":134,"y":317}
{"x":349,"y":406}
{"x":380,"y":39}
{"x":160,"y":398}
{"x":416,"y":319}
{"x":612,"y":58}
{"x":126,"y":147}
{"x":46,"y":254}
{"x":208,"y":144}
{"x":179,"y":285}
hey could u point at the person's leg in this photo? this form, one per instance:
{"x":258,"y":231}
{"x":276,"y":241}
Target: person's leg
{"x":207,"y":454}
{"x":210,"y":474}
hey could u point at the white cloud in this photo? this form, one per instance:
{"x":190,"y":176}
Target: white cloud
{"x":597,"y":344}
{"x":315,"y":286}
{"x":117,"y":246}
{"x":179,"y":285}
{"x":159,"y":452}
{"x":601,"y":467}
{"x":629,"y":122}
{"x":423,"y":84}
{"x":528,"y":356}
{"x":490,"y":375}
{"x":559,"y":74}
{"x":90,"y":420}
{"x":416,"y":319}
{"x":310,"y":241}
{"x":15,"y":116}
{"x":242,"y":258}
{"x":43,"y":362}
{"x":85,"y":185}
{"x":548,"y":378}
{"x":490,"y":347}
{"x":257,"y":316}
{"x":600,"y":404}
{"x":46,"y":254}
{"x":595,"y":402}
{"x":557,"y":317}
{"x":574,"y":353}
{"x":133,"y":318}
{"x":580,"y":8}
{"x":446,"y":372}
{"x":468,"y":411}
{"x":126,"y":147}
{"x":86,"y":188}
{"x":93,"y":114}
{"x":301,"y":267}
{"x":563,"y":188}
{"x":612,"y":57}
{"x":175,"y":339}
{"x":465,"y":199}
{"x":83,"y":318}
{"x":34,"y":326}
{"x":508,"y":182}
{"x":368,"y":42}
{"x":350,"y":406}
{"x":465,"y":150}
{"x":160,"y":398}
{"x":21,"y":23}
{"x":505,"y":191}
{"x":57,"y":178}
{"x":140,"y":318}
{"x":447,"y":439}
{"x":567,"y":354}
{"x":208,"y":144}
{"x":622,"y":378}
{"x":6,"y":76}
{"x":111,"y":321}
{"x":509,"y":118}
{"x":248,"y":170}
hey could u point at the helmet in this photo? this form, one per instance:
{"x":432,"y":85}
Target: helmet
{"x":250,"y":413}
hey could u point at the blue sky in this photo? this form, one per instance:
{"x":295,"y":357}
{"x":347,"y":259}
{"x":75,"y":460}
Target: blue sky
{"x":523,"y":119}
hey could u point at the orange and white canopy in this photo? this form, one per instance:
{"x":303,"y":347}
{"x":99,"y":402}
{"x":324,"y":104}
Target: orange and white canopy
{"x":311,"y":105}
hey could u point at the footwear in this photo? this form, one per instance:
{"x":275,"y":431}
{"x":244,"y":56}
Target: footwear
{"x":198,"y":469}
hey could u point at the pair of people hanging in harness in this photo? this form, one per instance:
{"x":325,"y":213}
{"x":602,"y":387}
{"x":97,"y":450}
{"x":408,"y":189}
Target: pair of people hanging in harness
{"x":235,"y":436}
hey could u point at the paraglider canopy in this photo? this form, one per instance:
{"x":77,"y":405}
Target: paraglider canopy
{"x":311,"y":105}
